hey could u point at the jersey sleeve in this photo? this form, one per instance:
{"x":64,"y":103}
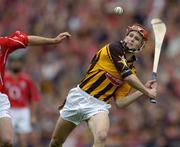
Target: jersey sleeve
{"x":16,"y":40}
{"x":118,"y":58}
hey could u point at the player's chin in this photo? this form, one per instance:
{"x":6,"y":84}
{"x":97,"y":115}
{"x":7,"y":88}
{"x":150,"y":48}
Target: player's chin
{"x":130,"y":46}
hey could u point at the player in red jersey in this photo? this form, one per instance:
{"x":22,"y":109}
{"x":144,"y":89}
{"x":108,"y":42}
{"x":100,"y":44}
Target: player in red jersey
{"x":23,"y":96}
{"x":9,"y":44}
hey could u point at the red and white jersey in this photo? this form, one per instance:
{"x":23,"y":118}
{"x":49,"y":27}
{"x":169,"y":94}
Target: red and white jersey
{"x":9,"y":44}
{"x":20,"y":89}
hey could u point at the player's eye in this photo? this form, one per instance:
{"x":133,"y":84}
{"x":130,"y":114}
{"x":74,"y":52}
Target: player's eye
{"x":137,"y":38}
{"x":131,"y":35}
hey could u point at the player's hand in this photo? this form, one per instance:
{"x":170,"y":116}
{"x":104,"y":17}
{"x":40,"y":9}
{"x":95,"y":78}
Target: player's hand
{"x":152,"y":91}
{"x":151,"y":84}
{"x":61,"y":37}
{"x":154,"y":85}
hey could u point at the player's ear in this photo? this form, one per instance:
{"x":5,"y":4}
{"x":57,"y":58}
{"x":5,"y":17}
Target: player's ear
{"x":141,"y":46}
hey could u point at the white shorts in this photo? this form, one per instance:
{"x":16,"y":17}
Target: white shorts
{"x":81,"y":106}
{"x":21,"y":120}
{"x":4,"y":106}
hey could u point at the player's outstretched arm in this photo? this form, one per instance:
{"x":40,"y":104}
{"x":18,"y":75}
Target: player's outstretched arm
{"x":124,"y":102}
{"x":137,"y":84}
{"x":38,"y":40}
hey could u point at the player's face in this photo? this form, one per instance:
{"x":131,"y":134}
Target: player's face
{"x":133,"y":40}
{"x":16,"y":66}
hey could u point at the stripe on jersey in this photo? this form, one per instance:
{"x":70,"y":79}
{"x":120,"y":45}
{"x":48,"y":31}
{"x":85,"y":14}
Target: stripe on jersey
{"x":96,"y":83}
{"x":99,"y":86}
{"x":94,"y":61}
{"x":102,"y":92}
{"x":108,"y":97}
{"x":86,"y":79}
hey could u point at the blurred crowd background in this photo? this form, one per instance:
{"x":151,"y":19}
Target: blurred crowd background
{"x":92,"y":24}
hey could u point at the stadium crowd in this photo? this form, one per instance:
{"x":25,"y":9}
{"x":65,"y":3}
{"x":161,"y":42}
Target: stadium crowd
{"x":92,"y":24}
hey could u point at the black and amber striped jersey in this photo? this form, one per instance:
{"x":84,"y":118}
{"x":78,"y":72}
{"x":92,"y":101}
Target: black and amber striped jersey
{"x":108,"y":68}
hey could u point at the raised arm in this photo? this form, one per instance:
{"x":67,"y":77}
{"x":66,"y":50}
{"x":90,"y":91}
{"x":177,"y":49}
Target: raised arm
{"x":38,"y":40}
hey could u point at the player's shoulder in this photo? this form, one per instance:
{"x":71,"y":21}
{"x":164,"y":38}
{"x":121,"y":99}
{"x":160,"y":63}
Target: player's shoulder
{"x":3,"y":41}
{"x":116,"y":46}
{"x":17,"y":34}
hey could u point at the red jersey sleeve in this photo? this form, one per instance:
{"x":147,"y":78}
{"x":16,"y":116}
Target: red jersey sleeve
{"x":16,"y":40}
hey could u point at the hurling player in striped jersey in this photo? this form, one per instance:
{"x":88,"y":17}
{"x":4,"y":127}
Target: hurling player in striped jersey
{"x":9,"y":44}
{"x":110,"y":76}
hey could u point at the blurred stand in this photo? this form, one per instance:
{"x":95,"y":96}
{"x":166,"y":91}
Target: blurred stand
{"x":92,"y":24}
